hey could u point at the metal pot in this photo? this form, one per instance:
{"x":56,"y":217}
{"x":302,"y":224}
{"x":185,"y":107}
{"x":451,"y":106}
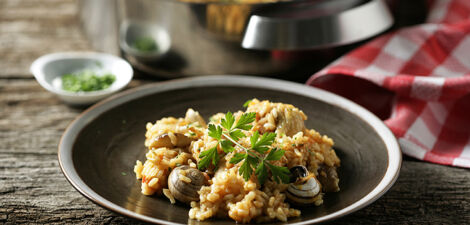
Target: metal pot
{"x":191,"y":38}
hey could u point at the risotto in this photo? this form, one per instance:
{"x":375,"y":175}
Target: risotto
{"x":251,"y":165}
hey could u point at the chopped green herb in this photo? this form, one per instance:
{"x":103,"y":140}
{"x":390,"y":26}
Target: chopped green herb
{"x":261,"y":144}
{"x":123,"y":173}
{"x":275,"y":154}
{"x":227,"y":146}
{"x":86,"y":81}
{"x":228,"y":121}
{"x":247,"y":103}
{"x":192,"y":134}
{"x":280,"y":174}
{"x":237,"y":134}
{"x":237,"y":158}
{"x":207,"y":157}
{"x":261,"y":172}
{"x":246,"y":169}
{"x":215,"y":131}
{"x":145,"y":44}
{"x":245,"y":120}
{"x":99,"y":64}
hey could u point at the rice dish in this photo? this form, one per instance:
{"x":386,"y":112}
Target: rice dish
{"x":172,"y":167}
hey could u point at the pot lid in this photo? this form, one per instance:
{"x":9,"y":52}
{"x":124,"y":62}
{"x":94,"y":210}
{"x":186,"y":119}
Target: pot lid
{"x":315,"y":24}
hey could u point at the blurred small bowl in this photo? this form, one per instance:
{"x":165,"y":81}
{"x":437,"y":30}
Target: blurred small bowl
{"x":49,"y":69}
{"x":131,"y":31}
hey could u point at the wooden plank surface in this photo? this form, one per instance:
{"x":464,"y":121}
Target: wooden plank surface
{"x":31,"y":28}
{"x":33,"y":189}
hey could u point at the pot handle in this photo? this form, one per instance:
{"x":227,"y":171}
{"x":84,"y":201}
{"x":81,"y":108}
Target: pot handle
{"x":317,"y":24}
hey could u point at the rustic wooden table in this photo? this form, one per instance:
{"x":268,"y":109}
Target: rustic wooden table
{"x":32,"y":120}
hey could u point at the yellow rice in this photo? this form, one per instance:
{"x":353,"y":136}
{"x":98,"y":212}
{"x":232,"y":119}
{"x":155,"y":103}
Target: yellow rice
{"x":227,"y":193}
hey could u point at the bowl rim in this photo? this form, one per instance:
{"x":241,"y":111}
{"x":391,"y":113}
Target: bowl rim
{"x":68,"y":138}
{"x":37,"y":69}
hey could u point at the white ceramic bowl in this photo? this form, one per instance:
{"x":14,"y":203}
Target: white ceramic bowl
{"x":131,"y":30}
{"x":48,"y":70}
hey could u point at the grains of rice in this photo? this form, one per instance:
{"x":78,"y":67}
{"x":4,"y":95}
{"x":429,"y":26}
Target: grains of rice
{"x":227,"y":193}
{"x":168,"y":194}
{"x":153,"y":183}
{"x":280,"y":215}
{"x":191,"y":164}
{"x":173,"y":138}
{"x":138,"y":169}
{"x":183,"y":177}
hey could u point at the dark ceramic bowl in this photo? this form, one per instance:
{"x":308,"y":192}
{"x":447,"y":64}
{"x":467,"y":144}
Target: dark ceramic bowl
{"x":97,"y":152}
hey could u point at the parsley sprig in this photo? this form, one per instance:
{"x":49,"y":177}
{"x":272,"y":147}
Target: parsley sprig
{"x":257,"y":158}
{"x":231,"y":130}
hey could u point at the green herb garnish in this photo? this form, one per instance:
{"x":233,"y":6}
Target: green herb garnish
{"x":255,"y":159}
{"x":245,"y":105}
{"x":86,"y":81}
{"x":145,"y":44}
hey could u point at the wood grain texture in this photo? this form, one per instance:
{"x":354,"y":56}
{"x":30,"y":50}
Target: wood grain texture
{"x":31,"y":28}
{"x":33,"y":189}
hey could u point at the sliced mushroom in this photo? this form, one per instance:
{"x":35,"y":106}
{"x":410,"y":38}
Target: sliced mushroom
{"x":290,"y":121}
{"x":305,"y":188}
{"x":184,"y":182}
{"x":329,"y":178}
{"x":165,"y":140}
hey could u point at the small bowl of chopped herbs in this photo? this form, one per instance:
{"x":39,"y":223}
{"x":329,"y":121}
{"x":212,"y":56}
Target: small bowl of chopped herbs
{"x":143,"y":41}
{"x":82,"y":78}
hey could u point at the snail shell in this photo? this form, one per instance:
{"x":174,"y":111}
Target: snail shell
{"x":305,"y":188}
{"x":184,"y":182}
{"x":297,"y":172}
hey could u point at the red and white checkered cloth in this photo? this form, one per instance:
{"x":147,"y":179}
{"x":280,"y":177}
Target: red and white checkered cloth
{"x":422,"y":75}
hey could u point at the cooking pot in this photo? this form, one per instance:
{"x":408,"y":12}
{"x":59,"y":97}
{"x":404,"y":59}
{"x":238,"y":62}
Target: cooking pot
{"x":171,"y":38}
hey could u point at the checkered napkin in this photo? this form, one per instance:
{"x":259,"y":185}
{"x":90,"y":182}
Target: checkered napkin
{"x":421,"y":75}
